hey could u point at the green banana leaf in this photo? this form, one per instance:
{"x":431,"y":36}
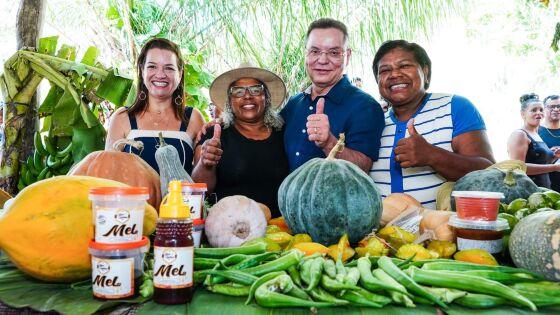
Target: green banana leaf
{"x":90,"y":56}
{"x":18,"y":290}
{"x":47,"y":45}
{"x":64,"y":115}
{"x":67,"y":52}
{"x":114,"y":88}
{"x":52,"y":98}
{"x":87,"y":140}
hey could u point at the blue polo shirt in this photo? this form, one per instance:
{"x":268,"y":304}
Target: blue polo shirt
{"x":350,"y":110}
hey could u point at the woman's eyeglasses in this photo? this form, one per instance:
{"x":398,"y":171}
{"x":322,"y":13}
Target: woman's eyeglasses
{"x":239,"y":91}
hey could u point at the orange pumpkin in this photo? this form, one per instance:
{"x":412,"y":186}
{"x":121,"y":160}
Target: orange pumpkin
{"x":123,"y":167}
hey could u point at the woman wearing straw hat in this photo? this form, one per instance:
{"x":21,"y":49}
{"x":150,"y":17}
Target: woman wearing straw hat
{"x":246,"y":156}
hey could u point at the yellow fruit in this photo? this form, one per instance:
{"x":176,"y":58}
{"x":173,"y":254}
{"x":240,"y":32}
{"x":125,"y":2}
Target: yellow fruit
{"x":310,"y":248}
{"x":46,"y":230}
{"x":476,"y":256}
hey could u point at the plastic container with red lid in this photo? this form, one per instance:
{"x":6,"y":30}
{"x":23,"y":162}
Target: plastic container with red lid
{"x":198,"y":231}
{"x":477,"y":205}
{"x":193,"y":196}
{"x":479,"y":234}
{"x":117,"y":268}
{"x":118,"y":213}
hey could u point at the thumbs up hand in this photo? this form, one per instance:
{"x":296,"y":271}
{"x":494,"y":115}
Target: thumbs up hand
{"x":318,"y":127}
{"x":413,"y":150}
{"x":212,"y":148}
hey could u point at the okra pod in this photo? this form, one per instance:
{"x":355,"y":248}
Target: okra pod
{"x":480,"y":301}
{"x":236,"y":276}
{"x":204,"y":263}
{"x":279,"y":264}
{"x":330,"y":268}
{"x":358,"y":299}
{"x":273,"y":294}
{"x":368,"y":281}
{"x":373,"y":260}
{"x":299,"y":293}
{"x":321,"y":295}
{"x":333,"y":285}
{"x":376,"y":298}
{"x":229,"y":289}
{"x":396,"y":273}
{"x":453,"y":265}
{"x":352,"y":276}
{"x":543,"y":287}
{"x":398,"y":294}
{"x":232,"y":260}
{"x":445,"y":294}
{"x":468,"y":283}
{"x":294,"y":274}
{"x":259,"y":282}
{"x":315,"y":273}
{"x":249,"y":261}
{"x":306,"y":271}
{"x":208,"y":252}
{"x":501,"y":277}
{"x":540,"y":299}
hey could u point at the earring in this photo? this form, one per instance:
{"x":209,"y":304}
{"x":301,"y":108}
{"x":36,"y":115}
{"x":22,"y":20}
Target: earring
{"x":142,"y":95}
{"x":178,"y":100}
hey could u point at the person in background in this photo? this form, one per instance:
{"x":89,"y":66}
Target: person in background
{"x":429,"y":138}
{"x":247,"y":157}
{"x":331,"y":105}
{"x":526,"y":145}
{"x":357,"y":81}
{"x":159,"y":107}
{"x":549,"y":130}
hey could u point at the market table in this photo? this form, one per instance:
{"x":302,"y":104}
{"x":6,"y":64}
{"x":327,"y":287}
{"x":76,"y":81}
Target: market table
{"x":20,"y":291}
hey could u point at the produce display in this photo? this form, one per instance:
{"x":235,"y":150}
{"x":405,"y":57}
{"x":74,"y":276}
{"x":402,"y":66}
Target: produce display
{"x":329,"y":197}
{"x":46,"y":229}
{"x":408,"y":260}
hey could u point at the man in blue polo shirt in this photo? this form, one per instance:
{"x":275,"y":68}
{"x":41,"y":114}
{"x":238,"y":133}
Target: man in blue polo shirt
{"x":331,"y":105}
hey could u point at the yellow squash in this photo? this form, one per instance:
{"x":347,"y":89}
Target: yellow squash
{"x":46,"y":230}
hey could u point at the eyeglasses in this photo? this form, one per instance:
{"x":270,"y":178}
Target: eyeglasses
{"x":239,"y":91}
{"x":332,"y":54}
{"x":553,"y":107}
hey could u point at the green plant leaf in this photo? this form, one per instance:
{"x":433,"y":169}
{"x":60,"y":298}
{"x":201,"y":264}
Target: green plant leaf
{"x":64,"y":114}
{"x":47,"y":45}
{"x":87,"y":140}
{"x":90,"y":56}
{"x":54,"y":95}
{"x":67,"y":52}
{"x":46,"y":124}
{"x":114,"y":88}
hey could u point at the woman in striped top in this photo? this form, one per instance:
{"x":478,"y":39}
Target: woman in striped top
{"x":159,"y":107}
{"x":428,"y":138}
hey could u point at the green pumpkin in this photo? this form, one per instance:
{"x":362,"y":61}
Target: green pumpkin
{"x":534,"y":244}
{"x":512,"y":183}
{"x":326,"y":198}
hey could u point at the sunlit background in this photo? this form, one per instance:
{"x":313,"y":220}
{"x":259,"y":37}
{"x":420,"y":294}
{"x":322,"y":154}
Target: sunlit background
{"x":488,"y":51}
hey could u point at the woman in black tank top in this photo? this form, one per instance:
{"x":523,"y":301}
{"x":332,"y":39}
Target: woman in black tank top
{"x":526,"y":145}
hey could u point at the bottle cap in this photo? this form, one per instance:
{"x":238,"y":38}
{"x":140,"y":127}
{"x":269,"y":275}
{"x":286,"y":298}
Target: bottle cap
{"x":173,"y":205}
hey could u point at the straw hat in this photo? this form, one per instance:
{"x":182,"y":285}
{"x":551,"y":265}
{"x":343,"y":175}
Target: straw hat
{"x":220,"y":86}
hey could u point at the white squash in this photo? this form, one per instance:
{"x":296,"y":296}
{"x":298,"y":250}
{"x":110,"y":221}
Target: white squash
{"x":233,"y":221}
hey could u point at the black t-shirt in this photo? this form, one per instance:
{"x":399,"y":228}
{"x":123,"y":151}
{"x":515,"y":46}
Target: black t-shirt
{"x":252,"y":168}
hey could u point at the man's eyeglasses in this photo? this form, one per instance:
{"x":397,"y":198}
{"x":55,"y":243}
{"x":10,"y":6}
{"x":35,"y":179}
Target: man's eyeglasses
{"x":332,"y":54}
{"x":239,"y":91}
{"x":553,"y":107}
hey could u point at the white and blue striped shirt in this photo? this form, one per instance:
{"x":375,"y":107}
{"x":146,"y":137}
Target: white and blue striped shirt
{"x":440,"y":118}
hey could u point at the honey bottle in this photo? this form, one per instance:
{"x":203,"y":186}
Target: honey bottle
{"x":173,"y":250}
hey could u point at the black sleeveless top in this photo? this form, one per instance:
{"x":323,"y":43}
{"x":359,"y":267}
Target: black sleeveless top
{"x":539,"y":153}
{"x":252,"y":168}
{"x":150,"y":138}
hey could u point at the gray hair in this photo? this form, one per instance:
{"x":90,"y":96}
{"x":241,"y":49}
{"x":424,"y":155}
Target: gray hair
{"x":272,"y":118}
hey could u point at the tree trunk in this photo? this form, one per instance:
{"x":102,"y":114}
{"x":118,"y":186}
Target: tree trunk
{"x":21,"y":119}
